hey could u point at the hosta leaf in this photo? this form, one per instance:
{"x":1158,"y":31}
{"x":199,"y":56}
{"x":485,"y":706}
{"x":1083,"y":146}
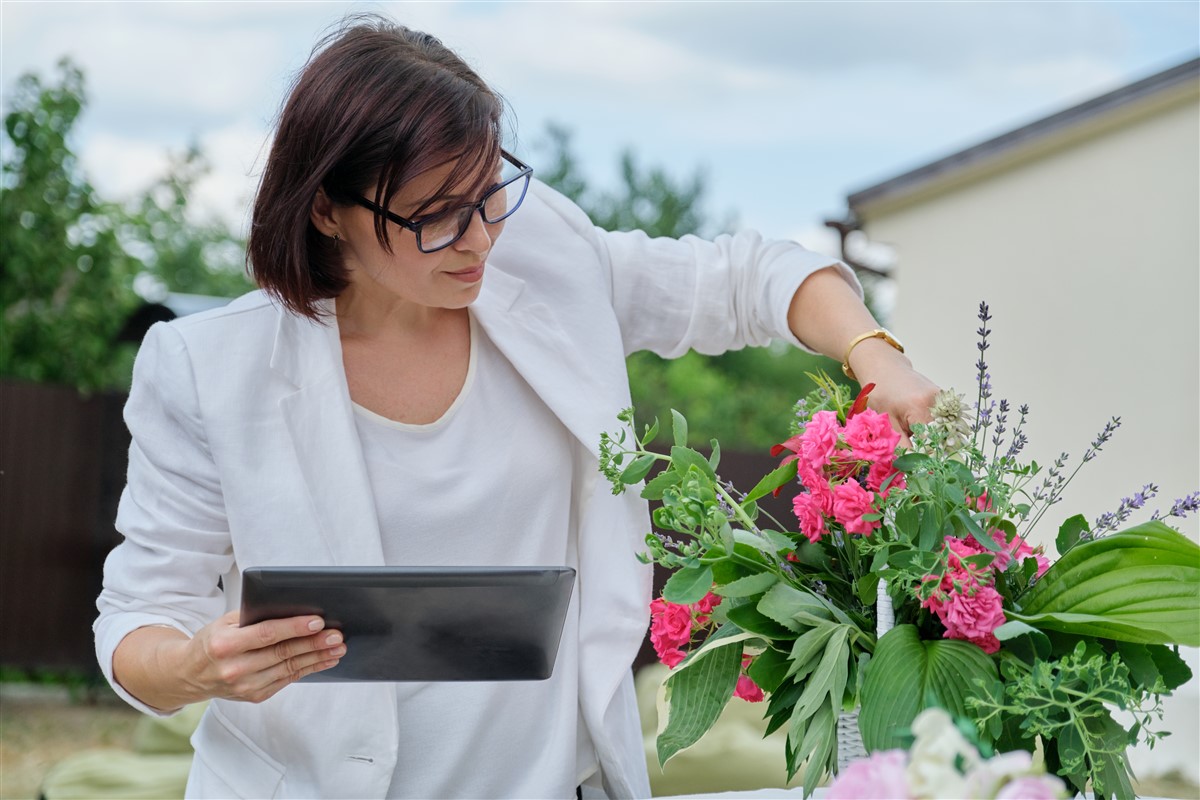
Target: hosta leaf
{"x":1140,"y":585}
{"x":906,"y":674}
{"x":695,"y":698}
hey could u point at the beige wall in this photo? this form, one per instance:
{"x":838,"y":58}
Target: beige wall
{"x":1088,"y":256}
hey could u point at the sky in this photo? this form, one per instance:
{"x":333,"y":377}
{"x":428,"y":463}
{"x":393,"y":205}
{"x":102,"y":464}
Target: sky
{"x":785,"y":107}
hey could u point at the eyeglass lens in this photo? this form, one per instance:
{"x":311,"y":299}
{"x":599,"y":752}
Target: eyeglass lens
{"x":501,"y":201}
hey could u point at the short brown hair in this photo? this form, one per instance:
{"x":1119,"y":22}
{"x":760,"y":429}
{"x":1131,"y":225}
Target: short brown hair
{"x":376,"y":105}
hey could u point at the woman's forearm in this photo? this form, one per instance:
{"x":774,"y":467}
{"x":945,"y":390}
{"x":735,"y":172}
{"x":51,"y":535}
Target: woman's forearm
{"x":147,"y":664}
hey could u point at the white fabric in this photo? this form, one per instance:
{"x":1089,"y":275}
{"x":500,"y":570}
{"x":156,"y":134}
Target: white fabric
{"x":245,"y":453}
{"x":470,"y":489}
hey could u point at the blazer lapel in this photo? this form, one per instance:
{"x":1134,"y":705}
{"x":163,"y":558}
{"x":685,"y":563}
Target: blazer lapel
{"x":533,"y":341}
{"x":320,"y":420}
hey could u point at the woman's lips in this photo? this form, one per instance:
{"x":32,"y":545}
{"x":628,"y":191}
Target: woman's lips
{"x":468,"y":275}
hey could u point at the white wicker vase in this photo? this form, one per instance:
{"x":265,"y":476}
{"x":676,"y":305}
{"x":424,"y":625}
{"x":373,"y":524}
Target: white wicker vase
{"x":849,"y":738}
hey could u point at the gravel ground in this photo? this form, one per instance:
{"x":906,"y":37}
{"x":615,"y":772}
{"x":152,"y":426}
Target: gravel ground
{"x":40,"y":725}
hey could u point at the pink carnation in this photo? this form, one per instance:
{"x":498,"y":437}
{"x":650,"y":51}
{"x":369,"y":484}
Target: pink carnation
{"x":671,"y":657}
{"x":1033,"y":787}
{"x":881,"y":776}
{"x":748,"y":690}
{"x":820,"y":439}
{"x":706,"y":604}
{"x":879,"y":473}
{"x":871,"y":437}
{"x":973,"y":615}
{"x":808,"y":512}
{"x":1018,"y":549}
{"x":670,"y":629}
{"x":850,"y":502}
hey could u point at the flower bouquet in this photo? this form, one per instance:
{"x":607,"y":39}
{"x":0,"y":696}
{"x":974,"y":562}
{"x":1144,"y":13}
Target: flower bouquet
{"x":906,"y":581}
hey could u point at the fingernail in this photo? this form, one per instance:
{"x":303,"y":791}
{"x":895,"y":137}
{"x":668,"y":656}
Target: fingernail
{"x":316,"y":625}
{"x":338,"y":651}
{"x":333,"y":638}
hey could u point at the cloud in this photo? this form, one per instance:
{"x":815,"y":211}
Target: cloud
{"x":787,"y":106}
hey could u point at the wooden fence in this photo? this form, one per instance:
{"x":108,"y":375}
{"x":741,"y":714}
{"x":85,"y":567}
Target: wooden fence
{"x":62,"y":468}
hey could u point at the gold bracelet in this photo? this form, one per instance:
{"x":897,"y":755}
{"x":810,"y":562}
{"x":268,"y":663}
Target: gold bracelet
{"x":878,"y":333}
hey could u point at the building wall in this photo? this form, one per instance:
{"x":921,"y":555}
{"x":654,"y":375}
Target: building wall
{"x":1089,"y":257}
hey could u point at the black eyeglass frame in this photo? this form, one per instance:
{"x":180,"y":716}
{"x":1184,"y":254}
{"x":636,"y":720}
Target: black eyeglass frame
{"x":415,"y":225}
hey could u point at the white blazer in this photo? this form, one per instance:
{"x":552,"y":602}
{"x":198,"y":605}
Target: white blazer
{"x":245,"y":453}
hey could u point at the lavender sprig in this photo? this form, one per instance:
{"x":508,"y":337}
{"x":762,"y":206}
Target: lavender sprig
{"x":1060,"y":483}
{"x":1188,"y":504}
{"x":984,"y":379}
{"x":1019,"y":438}
{"x":1109,"y":521}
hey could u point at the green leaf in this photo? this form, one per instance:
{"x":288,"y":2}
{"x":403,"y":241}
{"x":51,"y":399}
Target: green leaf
{"x":637,"y":470}
{"x":1141,"y":585}
{"x":1025,"y":641}
{"x":715,"y":458}
{"x":828,"y":680}
{"x":749,"y":619}
{"x":651,"y":432}
{"x":930,"y":529}
{"x":906,"y":673}
{"x":684,"y":457}
{"x":749,"y":586}
{"x":772,"y":481}
{"x":783,"y":602}
{"x":1174,"y":670}
{"x":679,"y":429}
{"x":1069,"y":532}
{"x":1141,"y":665}
{"x":688,"y":585}
{"x":867,"y":588}
{"x":768,"y":669}
{"x":657,"y":485}
{"x":806,"y":648}
{"x":977,"y":533}
{"x":696,"y":697}
{"x":908,"y":521}
{"x":912,"y":462}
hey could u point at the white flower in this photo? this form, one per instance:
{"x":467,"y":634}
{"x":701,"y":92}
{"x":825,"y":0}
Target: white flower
{"x":951,"y":416}
{"x":939,"y":749}
{"x":988,"y":776}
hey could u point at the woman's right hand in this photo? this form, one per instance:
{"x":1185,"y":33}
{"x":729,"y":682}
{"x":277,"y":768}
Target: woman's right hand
{"x":255,"y":662}
{"x":165,"y":669}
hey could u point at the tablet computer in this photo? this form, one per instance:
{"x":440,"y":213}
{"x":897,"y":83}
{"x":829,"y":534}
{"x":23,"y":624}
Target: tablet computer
{"x":423,"y":623}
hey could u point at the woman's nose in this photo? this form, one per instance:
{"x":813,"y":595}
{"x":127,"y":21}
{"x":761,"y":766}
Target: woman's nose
{"x":477,"y":239}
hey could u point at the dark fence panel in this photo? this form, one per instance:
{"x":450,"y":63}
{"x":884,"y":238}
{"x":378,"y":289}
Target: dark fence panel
{"x":62,"y":468}
{"x":62,"y":464}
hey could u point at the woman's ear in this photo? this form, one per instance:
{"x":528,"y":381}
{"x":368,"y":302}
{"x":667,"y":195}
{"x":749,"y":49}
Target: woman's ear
{"x":324,"y":214}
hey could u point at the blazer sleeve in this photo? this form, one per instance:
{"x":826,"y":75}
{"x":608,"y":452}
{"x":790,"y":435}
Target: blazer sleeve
{"x":675,"y":295}
{"x":171,"y":513}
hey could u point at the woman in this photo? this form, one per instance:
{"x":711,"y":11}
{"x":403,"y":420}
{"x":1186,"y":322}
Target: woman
{"x":412,"y":388}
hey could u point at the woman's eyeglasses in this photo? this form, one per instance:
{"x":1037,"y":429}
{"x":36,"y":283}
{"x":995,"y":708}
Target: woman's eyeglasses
{"x":440,"y":230}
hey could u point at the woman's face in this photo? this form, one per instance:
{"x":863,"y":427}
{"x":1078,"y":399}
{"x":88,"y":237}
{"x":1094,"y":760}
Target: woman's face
{"x":448,"y":278}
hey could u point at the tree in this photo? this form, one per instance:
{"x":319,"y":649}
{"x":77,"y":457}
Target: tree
{"x":744,"y":397}
{"x":69,"y":259}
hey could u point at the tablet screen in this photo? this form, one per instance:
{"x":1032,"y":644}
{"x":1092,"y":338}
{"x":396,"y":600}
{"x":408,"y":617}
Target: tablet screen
{"x":423,"y":623}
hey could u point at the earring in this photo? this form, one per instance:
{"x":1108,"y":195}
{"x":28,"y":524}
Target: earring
{"x":337,"y":240}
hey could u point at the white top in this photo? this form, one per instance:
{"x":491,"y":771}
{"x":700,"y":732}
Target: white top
{"x":470,"y":489}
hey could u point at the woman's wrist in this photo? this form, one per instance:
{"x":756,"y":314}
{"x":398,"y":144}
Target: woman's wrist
{"x":873,"y":356}
{"x":150,"y":664}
